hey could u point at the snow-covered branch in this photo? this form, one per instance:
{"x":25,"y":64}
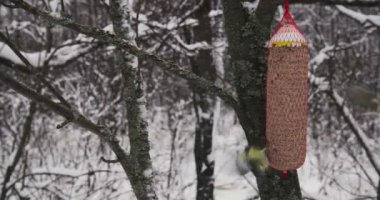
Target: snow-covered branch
{"x":121,"y":43}
{"x":366,"y":20}
{"x":359,"y":3}
{"x":103,"y":132}
{"x":251,"y":7}
{"x":68,"y":51}
{"x":325,"y":53}
{"x":57,"y":173}
{"x":365,"y":142}
{"x":324,"y":85}
{"x":193,"y":47}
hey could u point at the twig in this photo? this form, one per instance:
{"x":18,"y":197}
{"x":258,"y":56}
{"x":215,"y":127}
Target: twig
{"x":108,"y":161}
{"x":103,"y":132}
{"x":42,"y":80}
{"x":355,"y":128}
{"x":39,"y":77}
{"x":359,"y":3}
{"x":121,"y":43}
{"x":89,"y":173}
{"x":8,"y":5}
{"x":27,"y":128}
{"x":63,"y":124}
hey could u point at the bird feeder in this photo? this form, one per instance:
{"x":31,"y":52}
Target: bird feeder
{"x":287,"y":91}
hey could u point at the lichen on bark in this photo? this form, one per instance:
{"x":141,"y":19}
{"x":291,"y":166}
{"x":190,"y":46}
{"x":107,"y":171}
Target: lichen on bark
{"x":134,"y":102}
{"x":247,"y":34}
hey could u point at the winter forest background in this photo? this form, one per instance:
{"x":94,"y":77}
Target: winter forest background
{"x":87,"y":81}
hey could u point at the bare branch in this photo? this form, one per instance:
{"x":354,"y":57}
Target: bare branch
{"x":27,"y":129}
{"x":8,"y":5}
{"x":63,"y":124}
{"x":359,"y":3}
{"x":103,"y":132}
{"x":89,"y":173}
{"x":38,"y":76}
{"x":367,"y":20}
{"x":108,"y":161}
{"x":121,"y":43}
{"x":354,"y":126}
{"x":361,"y":136}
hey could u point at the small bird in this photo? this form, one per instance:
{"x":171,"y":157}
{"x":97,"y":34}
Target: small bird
{"x":253,"y":159}
{"x":363,"y":98}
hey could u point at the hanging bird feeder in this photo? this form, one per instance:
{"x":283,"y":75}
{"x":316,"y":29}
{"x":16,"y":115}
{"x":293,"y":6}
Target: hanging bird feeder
{"x":287,"y":91}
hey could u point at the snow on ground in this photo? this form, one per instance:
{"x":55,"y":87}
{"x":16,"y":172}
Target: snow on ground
{"x":331,"y":178}
{"x":229,"y":140}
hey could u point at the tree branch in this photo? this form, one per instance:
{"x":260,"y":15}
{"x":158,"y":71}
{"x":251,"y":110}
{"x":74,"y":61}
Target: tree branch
{"x":108,"y":161}
{"x":324,"y":85}
{"x":38,"y":76}
{"x":367,"y":20}
{"x":103,"y":132}
{"x":89,"y":173}
{"x":355,"y":127}
{"x":134,"y":103}
{"x":56,"y":58}
{"x":121,"y":43}
{"x":27,"y":129}
{"x":359,"y":3}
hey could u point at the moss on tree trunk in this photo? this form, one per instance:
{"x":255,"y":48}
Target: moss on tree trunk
{"x":140,"y":172}
{"x":247,"y":34}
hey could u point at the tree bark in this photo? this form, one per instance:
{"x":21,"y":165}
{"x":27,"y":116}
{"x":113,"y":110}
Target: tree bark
{"x":202,"y":65}
{"x":247,"y":34}
{"x":141,"y":176}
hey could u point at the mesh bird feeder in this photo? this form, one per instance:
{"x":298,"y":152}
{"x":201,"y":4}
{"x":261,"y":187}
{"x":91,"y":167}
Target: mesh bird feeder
{"x":287,"y":90}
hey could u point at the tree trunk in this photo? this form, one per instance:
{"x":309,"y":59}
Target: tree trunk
{"x":141,"y":173}
{"x":204,"y":104}
{"x":247,"y":34}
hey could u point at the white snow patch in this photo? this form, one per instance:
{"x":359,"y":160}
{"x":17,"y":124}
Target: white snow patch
{"x":57,"y":56}
{"x":148,"y":173}
{"x":360,"y":17}
{"x":194,"y":46}
{"x":215,"y":13}
{"x":250,"y":6}
{"x":109,"y":29}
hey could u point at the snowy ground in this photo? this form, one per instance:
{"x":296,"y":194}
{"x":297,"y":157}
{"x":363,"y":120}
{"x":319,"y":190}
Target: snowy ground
{"x":318,"y":180}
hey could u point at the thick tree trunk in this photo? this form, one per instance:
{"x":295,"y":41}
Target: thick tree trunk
{"x":202,"y":65}
{"x":247,"y":34}
{"x":140,"y":174}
